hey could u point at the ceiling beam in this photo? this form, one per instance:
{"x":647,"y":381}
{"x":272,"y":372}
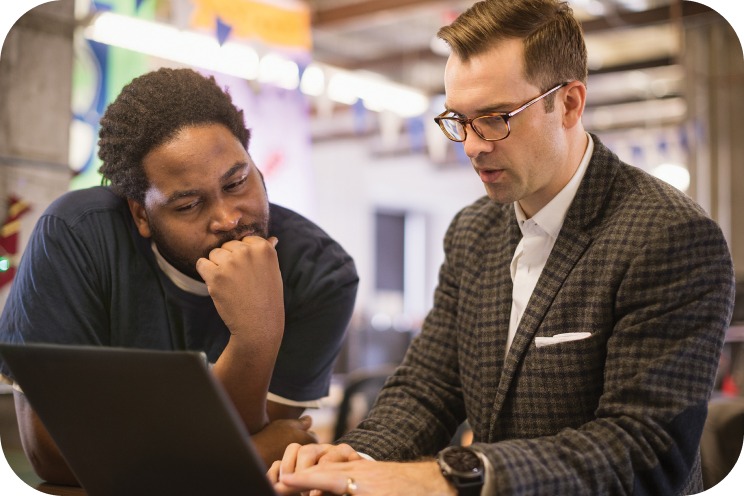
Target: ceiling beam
{"x":354,"y":11}
{"x":649,"y":17}
{"x":619,"y":19}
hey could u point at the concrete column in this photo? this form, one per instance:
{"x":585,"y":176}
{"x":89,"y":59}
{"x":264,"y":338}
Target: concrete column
{"x":35,"y":92}
{"x":715,"y":94}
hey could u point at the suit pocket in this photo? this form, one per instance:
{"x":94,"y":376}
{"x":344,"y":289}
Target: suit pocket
{"x":556,"y":339}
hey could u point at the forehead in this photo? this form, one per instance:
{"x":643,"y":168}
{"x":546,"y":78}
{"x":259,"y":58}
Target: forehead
{"x":490,"y":79}
{"x":195,"y":155}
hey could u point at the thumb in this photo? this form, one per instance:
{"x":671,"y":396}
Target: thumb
{"x":273,"y":240}
{"x":306,"y":421}
{"x":201,"y":266}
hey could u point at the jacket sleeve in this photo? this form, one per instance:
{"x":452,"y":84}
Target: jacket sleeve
{"x":421,"y":405}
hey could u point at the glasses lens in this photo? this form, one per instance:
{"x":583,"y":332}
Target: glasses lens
{"x":453,"y":129}
{"x":491,"y":127}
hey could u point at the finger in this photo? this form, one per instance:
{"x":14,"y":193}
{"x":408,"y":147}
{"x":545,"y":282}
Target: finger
{"x":339,"y":453}
{"x":333,"y":481}
{"x":306,"y":421}
{"x":308,"y":455}
{"x":289,"y":461}
{"x":204,"y":266}
{"x":281,"y":488}
{"x":219,"y":255}
{"x":226,"y":252}
{"x":254,"y":238}
{"x":273,"y":472}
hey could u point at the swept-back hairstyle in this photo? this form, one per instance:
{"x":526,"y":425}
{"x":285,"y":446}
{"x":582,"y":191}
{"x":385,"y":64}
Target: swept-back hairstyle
{"x":150,"y":111}
{"x":554,"y":49}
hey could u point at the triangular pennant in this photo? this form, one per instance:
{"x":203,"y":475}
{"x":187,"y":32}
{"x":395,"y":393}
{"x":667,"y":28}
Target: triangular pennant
{"x":223,"y":31}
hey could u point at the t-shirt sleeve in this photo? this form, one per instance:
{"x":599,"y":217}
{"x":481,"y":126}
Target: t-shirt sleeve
{"x":320,"y":284}
{"x":55,"y":296}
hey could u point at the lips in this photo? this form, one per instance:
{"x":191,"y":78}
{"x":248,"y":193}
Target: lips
{"x":490,"y":175}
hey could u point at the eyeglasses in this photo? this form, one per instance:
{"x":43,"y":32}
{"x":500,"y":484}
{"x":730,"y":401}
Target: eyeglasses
{"x":490,"y":127}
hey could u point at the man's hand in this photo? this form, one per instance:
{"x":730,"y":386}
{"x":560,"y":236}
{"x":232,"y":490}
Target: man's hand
{"x":271,"y":440}
{"x":245,"y":282}
{"x":297,"y":457}
{"x":364,"y":477}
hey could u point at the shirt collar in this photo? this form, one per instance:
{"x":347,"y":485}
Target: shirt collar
{"x":181,"y":280}
{"x":550,"y":218}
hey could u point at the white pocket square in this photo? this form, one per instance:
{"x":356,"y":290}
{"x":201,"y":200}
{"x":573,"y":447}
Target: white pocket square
{"x":561,"y":338}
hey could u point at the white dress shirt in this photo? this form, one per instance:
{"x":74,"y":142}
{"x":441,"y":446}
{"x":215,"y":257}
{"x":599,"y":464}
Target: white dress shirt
{"x":538,"y":237}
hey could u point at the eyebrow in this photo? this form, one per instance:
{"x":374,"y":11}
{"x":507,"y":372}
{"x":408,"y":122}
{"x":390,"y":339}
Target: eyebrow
{"x":232,"y":170}
{"x":178,"y":195}
{"x":503,"y":108}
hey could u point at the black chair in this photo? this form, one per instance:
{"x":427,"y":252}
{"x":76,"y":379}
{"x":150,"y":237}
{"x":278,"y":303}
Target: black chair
{"x":723,"y":436}
{"x":361,"y":390}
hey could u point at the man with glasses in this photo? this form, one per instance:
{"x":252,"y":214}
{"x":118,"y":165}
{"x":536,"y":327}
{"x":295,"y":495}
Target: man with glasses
{"x":580,"y":310}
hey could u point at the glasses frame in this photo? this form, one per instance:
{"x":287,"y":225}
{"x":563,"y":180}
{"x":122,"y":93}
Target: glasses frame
{"x":504,"y":115}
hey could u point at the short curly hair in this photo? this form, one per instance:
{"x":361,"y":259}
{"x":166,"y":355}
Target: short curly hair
{"x":148,"y":112}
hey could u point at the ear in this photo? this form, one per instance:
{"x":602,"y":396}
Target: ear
{"x":140,"y":217}
{"x":574,"y":100}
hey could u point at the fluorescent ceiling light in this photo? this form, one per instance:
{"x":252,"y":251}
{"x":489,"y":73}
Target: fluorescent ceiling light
{"x":313,"y":80}
{"x":674,"y":174}
{"x":166,"y":42}
{"x":237,"y":59}
{"x":277,"y":70}
{"x":377,"y":94}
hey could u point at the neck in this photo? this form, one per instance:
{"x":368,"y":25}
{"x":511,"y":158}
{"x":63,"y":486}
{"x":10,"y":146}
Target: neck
{"x":570,"y":159}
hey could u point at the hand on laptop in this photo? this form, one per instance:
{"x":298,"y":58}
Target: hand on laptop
{"x":341,"y":470}
{"x":297,"y":457}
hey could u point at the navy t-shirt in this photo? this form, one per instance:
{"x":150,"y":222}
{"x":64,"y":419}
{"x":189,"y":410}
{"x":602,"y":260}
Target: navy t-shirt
{"x":88,"y":278}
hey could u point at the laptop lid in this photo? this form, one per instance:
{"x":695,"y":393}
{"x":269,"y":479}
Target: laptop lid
{"x":139,"y":421}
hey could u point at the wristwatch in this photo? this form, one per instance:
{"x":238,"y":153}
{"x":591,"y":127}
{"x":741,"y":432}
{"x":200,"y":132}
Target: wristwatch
{"x":463,"y":468}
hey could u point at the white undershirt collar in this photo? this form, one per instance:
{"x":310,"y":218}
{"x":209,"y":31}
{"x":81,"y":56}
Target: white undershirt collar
{"x":181,"y":280}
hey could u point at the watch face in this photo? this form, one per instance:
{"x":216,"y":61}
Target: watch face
{"x":462,"y":462}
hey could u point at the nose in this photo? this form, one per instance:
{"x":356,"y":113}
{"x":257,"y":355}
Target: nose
{"x":474,"y":145}
{"x":225,"y":216}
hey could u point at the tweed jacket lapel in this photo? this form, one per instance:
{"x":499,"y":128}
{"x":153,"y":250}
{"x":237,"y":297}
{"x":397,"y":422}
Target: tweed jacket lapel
{"x":494,"y":304}
{"x":573,"y":240}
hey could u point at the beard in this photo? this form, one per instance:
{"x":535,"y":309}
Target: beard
{"x":185,"y":262}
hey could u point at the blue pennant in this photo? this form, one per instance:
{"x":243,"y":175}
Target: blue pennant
{"x":137,"y":5}
{"x":223,"y":31}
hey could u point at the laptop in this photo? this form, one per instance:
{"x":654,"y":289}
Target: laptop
{"x":142,"y":422}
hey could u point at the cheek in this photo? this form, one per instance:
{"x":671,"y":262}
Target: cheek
{"x":177,"y":233}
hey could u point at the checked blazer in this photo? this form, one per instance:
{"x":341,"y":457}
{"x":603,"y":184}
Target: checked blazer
{"x":638,"y":265}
